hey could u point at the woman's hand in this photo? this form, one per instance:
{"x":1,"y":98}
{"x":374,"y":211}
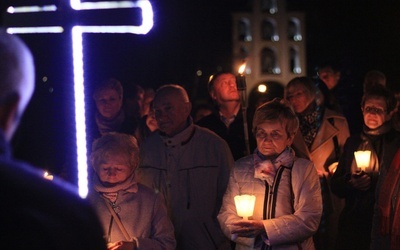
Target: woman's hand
{"x":248,"y":228}
{"x":361,"y":182}
{"x":122,"y":245}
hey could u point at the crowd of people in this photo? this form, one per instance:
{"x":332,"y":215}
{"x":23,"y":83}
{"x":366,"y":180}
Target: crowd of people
{"x":164,"y":177}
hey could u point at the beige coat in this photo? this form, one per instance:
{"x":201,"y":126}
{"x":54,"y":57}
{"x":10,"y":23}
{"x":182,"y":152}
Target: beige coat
{"x":322,"y":151}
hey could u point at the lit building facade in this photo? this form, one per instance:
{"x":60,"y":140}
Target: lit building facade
{"x":271,"y":41}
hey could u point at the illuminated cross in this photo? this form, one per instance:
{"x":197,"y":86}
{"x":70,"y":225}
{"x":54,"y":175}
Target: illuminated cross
{"x":75,"y":9}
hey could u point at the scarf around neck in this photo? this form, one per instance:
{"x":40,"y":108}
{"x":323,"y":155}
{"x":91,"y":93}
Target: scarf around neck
{"x":109,"y":125}
{"x":310,"y":121}
{"x":265,"y":169}
{"x":111,"y":193}
{"x":371,"y":139}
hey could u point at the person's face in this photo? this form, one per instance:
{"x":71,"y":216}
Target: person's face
{"x":329,"y":77}
{"x":225,"y":89}
{"x":114,"y":169}
{"x":299,"y":98}
{"x":171,"y":113}
{"x":108,"y":103}
{"x":375,"y":112}
{"x":272,"y":138}
{"x":151,"y":121}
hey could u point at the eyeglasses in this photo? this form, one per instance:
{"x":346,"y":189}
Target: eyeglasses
{"x":373,"y":110}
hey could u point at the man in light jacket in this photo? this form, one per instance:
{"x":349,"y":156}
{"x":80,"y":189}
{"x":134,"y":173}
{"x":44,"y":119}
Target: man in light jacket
{"x":190,"y":166}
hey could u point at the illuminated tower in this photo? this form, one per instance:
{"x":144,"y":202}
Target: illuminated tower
{"x":270,"y":40}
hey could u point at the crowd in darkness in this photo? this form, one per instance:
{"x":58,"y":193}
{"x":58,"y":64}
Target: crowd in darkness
{"x":165,"y":173}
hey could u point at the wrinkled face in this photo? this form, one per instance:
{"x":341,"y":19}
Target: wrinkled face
{"x":113,"y":170}
{"x":272,"y":138}
{"x":171,"y":113}
{"x":375,"y":112}
{"x":225,"y":89}
{"x":108,"y":103}
{"x":329,"y":77}
{"x":299,"y":98}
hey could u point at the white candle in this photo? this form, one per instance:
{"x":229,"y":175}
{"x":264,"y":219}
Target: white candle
{"x":245,"y":205}
{"x":362,"y":159}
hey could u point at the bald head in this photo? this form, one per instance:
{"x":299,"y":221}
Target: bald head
{"x":16,"y":81}
{"x":174,"y":90}
{"x":172,"y":108}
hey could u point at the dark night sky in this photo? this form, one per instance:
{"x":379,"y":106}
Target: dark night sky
{"x":191,"y":35}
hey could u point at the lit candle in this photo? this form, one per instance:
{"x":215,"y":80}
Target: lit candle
{"x":241,"y":78}
{"x":245,"y":205}
{"x":362,"y":159}
{"x":47,"y":176}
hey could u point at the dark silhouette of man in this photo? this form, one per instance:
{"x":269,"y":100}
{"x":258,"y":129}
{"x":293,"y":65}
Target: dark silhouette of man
{"x":35,"y":213}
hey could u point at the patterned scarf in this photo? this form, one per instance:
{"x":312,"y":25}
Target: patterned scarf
{"x":390,"y":223}
{"x":265,"y":169}
{"x":310,"y":121}
{"x":106,"y":125}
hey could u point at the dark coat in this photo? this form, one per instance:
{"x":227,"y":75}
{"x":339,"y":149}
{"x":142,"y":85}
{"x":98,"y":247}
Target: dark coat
{"x":36,"y":213}
{"x":356,"y":218}
{"x":234,"y":135}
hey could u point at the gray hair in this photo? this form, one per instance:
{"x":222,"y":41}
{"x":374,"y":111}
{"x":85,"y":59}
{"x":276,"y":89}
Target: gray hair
{"x":115,"y":144}
{"x":172,"y":89}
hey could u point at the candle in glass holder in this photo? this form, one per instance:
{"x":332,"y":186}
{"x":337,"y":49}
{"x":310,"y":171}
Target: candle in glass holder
{"x":362,"y":159}
{"x":245,"y":205}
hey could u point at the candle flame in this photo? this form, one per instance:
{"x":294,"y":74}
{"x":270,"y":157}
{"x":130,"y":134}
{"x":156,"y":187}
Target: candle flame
{"x":48,"y":176}
{"x":242,"y":68}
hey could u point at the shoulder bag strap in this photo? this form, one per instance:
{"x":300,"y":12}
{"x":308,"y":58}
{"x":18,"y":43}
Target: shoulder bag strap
{"x":118,"y":221}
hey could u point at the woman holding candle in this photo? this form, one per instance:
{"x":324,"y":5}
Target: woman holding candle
{"x":132,"y":215}
{"x":288,"y":202}
{"x":358,"y":185}
{"x":321,"y":137}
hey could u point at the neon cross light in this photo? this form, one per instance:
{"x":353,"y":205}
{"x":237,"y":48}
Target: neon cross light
{"x":77,"y":54}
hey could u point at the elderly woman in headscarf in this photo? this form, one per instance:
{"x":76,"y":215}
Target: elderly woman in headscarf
{"x":287,"y":193}
{"x":132,"y":215}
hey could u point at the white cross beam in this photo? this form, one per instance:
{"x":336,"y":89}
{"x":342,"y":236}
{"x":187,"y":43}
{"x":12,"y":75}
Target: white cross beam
{"x":77,"y":55}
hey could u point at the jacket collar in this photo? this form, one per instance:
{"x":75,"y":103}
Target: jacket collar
{"x":180,"y":139}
